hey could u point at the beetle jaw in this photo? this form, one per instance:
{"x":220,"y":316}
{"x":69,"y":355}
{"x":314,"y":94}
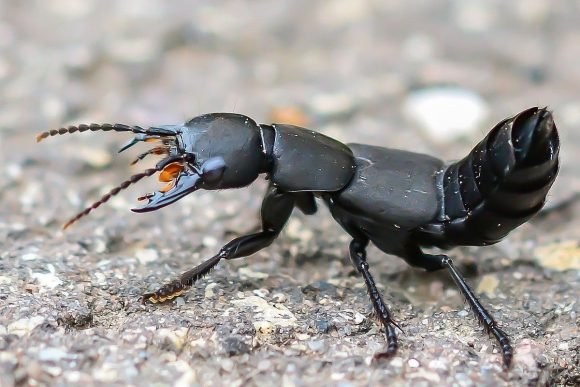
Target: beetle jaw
{"x":183,"y":179}
{"x":182,"y":186}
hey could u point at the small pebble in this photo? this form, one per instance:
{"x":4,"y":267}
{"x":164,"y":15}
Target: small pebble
{"x":227,"y":365}
{"x":317,"y":345}
{"x":23,"y":326}
{"x":47,"y":280}
{"x":321,"y":289}
{"x":438,"y":364}
{"x":358,"y":318}
{"x":146,"y":255}
{"x":266,"y":317}
{"x":105,"y":374}
{"x":424,"y":374}
{"x":445,"y":114}
{"x":302,"y":336}
{"x":413,"y":363}
{"x":209,"y":241}
{"x":488,"y":284}
{"x":209,"y":290}
{"x":234,"y":346}
{"x":563,"y":346}
{"x":246,"y":273}
{"x":51,"y":354}
{"x":263,"y":292}
{"x":29,"y":256}
{"x":527,"y":352}
{"x":322,"y":325}
{"x":559,"y":256}
{"x":75,"y":316}
{"x":264,"y":328}
{"x":173,"y":339}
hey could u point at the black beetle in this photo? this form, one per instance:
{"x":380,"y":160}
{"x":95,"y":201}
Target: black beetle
{"x":400,"y":201}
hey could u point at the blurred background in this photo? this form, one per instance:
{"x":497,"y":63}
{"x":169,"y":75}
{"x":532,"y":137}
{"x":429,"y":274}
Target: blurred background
{"x":367,"y":71}
{"x":427,"y":76}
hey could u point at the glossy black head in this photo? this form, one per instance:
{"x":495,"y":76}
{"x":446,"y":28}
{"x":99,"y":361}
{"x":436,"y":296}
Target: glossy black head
{"x":216,"y":151}
{"x":212,"y":151}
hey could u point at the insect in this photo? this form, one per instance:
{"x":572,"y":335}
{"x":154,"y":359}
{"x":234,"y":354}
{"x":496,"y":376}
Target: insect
{"x":400,"y":201}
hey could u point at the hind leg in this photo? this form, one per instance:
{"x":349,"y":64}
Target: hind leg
{"x":437,"y":262}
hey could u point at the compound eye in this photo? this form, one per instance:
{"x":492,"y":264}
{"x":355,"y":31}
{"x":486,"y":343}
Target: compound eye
{"x":213,"y":170}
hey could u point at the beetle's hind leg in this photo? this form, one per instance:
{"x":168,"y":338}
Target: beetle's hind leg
{"x":480,"y":312}
{"x":276,"y":209}
{"x":358,"y":258}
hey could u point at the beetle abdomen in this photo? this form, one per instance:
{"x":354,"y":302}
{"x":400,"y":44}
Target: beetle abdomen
{"x":503,"y":181}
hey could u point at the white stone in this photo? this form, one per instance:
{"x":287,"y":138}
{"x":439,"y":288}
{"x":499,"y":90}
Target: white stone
{"x":445,"y":114}
{"x":47,"y":280}
{"x":267,"y":315}
{"x":23,"y":326}
{"x":146,"y":255}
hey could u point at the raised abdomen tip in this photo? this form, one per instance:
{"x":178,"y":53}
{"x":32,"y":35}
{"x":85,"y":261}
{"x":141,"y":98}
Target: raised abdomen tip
{"x":535,"y":138}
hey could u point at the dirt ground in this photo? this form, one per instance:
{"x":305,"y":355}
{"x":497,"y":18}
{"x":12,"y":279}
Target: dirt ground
{"x":296,"y":313}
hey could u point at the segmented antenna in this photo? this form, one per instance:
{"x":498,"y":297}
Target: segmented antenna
{"x":92,"y":127}
{"x":132,"y":180}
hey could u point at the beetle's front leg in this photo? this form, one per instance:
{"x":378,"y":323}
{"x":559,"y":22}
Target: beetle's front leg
{"x":358,"y":258}
{"x":276,"y":209}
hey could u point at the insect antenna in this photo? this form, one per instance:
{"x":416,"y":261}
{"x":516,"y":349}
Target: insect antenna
{"x":105,"y":198}
{"x":132,"y":180}
{"x":92,"y":127}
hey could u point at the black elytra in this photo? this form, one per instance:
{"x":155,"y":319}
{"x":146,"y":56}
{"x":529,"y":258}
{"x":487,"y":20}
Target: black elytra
{"x":400,"y":201}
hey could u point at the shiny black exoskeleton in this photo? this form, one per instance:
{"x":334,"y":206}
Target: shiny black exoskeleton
{"x":398,"y":200}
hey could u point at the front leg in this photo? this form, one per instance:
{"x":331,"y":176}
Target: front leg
{"x":276,"y":209}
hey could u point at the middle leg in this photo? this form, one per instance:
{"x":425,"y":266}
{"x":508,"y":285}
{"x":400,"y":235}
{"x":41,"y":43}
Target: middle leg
{"x":358,"y":258}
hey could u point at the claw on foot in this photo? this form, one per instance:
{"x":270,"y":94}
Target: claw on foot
{"x":165,"y":293}
{"x":155,"y":298}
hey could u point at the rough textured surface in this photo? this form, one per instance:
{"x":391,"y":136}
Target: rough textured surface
{"x":296,"y":313}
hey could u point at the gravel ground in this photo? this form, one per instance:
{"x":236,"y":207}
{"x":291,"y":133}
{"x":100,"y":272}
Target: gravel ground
{"x":296,"y":313}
